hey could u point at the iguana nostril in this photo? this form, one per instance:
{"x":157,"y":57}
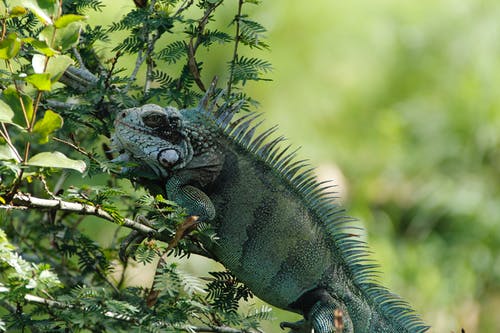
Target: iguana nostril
{"x":168,"y":157}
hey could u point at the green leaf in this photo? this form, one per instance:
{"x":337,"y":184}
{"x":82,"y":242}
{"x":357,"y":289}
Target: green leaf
{"x":56,"y":160}
{"x":65,"y":20}
{"x":17,"y":11}
{"x":8,"y":153}
{"x":40,"y":46}
{"x":64,"y":38}
{"x":50,"y":122}
{"x":45,"y":10}
{"x":13,"y":99}
{"x":10,"y":46}
{"x":6,"y":113}
{"x":55,"y":67}
{"x":40,"y":81}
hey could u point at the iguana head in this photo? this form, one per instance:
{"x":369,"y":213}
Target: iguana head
{"x":154,"y":137}
{"x":163,"y":141}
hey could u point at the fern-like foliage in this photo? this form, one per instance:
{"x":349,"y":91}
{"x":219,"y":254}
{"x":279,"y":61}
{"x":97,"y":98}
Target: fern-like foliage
{"x":82,"y":6}
{"x":225,"y":291}
{"x":215,"y":36}
{"x":245,"y":69}
{"x":173,"y":52}
{"x":252,"y":33}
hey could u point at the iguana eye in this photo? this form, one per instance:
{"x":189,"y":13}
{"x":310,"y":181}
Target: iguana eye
{"x":155,"y":120}
{"x":168,"y":157}
{"x":175,"y":122}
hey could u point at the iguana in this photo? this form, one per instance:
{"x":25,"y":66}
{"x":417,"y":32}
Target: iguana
{"x":278,"y":229}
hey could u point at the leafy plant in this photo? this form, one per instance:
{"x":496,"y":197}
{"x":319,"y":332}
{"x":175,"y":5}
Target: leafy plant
{"x":58,"y":99}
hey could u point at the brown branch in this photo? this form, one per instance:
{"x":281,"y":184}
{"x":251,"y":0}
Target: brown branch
{"x":193,"y":45}
{"x":235,"y":50}
{"x":25,"y":201}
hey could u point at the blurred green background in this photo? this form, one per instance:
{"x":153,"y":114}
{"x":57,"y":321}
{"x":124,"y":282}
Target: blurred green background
{"x":399,"y":102}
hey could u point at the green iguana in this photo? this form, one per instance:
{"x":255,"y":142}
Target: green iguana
{"x":278,"y":231}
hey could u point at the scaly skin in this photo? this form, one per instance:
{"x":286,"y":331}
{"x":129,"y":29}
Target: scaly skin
{"x":278,"y":233}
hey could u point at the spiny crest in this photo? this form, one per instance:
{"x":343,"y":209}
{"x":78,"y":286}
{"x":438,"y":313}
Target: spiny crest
{"x":320,"y":200}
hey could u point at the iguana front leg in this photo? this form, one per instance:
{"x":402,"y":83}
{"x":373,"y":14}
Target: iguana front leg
{"x":190,"y":197}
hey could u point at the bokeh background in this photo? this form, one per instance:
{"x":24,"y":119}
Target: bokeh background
{"x":399,"y":102}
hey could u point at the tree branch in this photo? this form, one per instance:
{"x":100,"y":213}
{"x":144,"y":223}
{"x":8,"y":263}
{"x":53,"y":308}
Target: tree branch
{"x":235,"y":50}
{"x":25,"y":201}
{"x":79,"y":79}
{"x":193,"y":45}
{"x":56,"y":304}
{"x":218,"y":329}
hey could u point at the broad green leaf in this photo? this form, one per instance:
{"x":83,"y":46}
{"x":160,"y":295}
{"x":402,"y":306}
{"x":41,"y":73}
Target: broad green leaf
{"x":65,"y":37}
{"x":40,"y":81}
{"x":50,"y":122}
{"x":17,"y":11}
{"x":9,"y":46}
{"x":56,"y":160}
{"x":45,"y":10}
{"x":13,"y":99}
{"x":6,"y":113}
{"x":40,"y":46}
{"x":7,"y":153}
{"x":57,"y":65}
{"x":65,"y":20}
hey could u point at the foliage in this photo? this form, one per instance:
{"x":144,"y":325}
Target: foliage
{"x":59,"y":95}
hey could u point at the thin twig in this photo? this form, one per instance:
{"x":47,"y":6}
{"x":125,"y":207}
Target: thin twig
{"x":193,"y":45}
{"x":138,"y":63}
{"x":46,"y":186}
{"x":142,"y":56}
{"x":5,"y":135}
{"x":218,"y":329}
{"x":235,"y":50}
{"x":118,"y":316}
{"x":183,"y":7}
{"x":149,"y":62}
{"x":56,"y":304}
{"x":83,"y":152}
